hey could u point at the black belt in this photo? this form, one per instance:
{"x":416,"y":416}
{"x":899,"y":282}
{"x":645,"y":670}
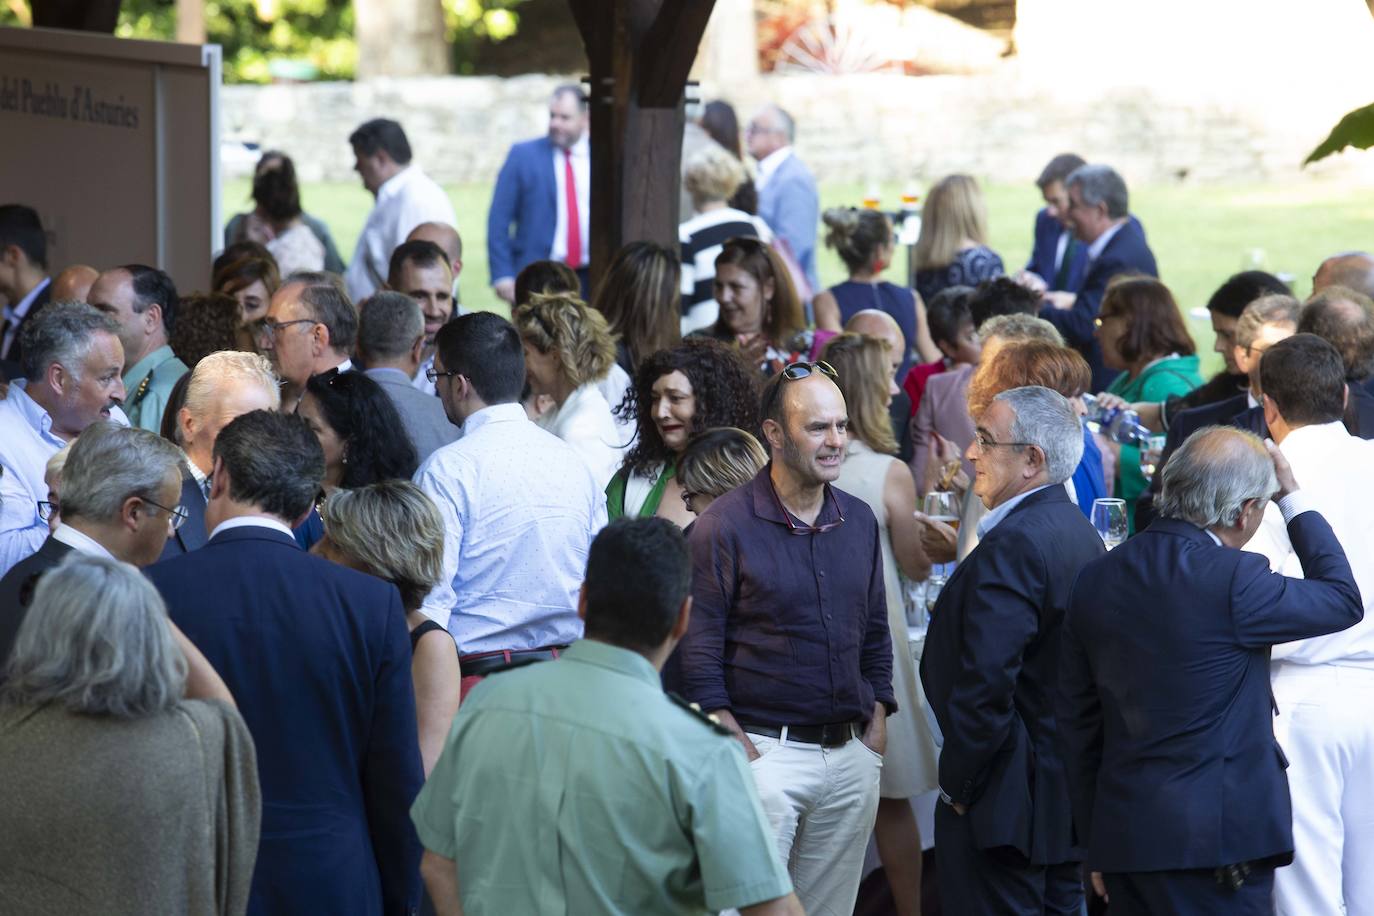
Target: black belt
{"x":832,"y":735}
{"x":490,"y":662}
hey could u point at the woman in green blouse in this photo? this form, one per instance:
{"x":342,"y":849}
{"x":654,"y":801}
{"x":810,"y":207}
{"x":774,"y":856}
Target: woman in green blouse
{"x":1142,"y":333}
{"x":678,"y":392}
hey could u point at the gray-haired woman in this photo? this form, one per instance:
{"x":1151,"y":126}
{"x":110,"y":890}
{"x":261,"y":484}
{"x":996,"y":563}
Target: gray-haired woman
{"x":121,"y":796}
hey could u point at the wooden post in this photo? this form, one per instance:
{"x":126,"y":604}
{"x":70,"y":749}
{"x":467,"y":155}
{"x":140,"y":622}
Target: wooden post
{"x":640,"y":52}
{"x":191,"y":21}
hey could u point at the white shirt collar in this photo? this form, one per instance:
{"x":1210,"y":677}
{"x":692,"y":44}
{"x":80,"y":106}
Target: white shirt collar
{"x":1097,"y":247}
{"x":1213,"y":535}
{"x":771,"y":163}
{"x":21,"y":308}
{"x":393,"y":185}
{"x":251,"y":521}
{"x":495,"y":413}
{"x":995,"y":516}
{"x":77,"y":540}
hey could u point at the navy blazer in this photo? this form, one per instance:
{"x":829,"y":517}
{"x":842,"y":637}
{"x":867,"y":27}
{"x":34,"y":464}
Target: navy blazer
{"x":1047,"y":233}
{"x":16,"y":590}
{"x":192,"y":534}
{"x":1164,"y":706}
{"x":989,"y":670}
{"x":1126,"y":252}
{"x":16,"y":351}
{"x":790,"y":204}
{"x":524,"y":209}
{"x":317,"y":657}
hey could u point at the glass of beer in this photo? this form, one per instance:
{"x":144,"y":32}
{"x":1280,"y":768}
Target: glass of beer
{"x":943,"y":506}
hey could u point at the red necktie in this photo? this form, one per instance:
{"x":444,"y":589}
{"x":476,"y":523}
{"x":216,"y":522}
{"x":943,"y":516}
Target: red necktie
{"x":574,"y":258}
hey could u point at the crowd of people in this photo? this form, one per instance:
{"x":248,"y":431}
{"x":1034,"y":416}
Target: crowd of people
{"x":319,"y":593}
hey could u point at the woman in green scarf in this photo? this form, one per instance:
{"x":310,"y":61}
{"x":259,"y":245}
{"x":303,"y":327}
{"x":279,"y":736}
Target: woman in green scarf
{"x":678,"y":392}
{"x":1142,"y":333}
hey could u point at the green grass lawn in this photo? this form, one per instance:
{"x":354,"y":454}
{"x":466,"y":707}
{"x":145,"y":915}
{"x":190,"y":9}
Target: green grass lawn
{"x":1199,"y":235}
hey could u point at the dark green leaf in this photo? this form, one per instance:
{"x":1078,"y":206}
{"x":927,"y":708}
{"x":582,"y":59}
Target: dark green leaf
{"x":1355,"y":129}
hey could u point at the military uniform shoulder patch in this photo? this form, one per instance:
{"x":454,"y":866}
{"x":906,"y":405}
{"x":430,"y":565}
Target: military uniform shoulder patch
{"x":695,"y":710}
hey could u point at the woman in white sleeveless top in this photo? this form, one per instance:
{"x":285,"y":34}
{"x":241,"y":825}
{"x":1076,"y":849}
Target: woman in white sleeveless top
{"x":873,"y":473}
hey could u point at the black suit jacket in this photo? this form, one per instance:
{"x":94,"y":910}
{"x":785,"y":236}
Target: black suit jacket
{"x":989,"y":670}
{"x":1126,"y":252}
{"x":192,"y":534}
{"x":16,"y":589}
{"x":15,"y":354}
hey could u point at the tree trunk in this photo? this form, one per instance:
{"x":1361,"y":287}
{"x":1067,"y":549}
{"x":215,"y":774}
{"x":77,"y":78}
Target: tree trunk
{"x":191,"y":21}
{"x":400,"y":38}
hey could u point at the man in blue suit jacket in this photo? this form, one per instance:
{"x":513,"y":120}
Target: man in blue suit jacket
{"x":1004,"y":831}
{"x":1099,"y":215}
{"x":788,"y":200}
{"x":529,"y":216}
{"x":1179,"y":790}
{"x":1057,"y":259}
{"x":317,"y":657}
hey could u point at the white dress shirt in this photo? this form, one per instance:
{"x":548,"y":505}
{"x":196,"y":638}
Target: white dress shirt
{"x":16,"y":312}
{"x":584,"y":421}
{"x":582,"y":177}
{"x":520,"y":509}
{"x":994,"y":516}
{"x":1332,"y":468}
{"x":252,"y":521}
{"x":404,"y":201}
{"x":26,"y":443}
{"x":1100,"y":243}
{"x":79,"y":540}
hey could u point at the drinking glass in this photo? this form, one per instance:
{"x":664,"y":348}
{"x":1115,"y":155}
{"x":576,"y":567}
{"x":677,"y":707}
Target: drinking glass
{"x":1109,"y":518}
{"x":1149,"y":456}
{"x":943,"y":506}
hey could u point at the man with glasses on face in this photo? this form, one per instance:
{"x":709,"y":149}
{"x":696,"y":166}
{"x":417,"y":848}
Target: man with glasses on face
{"x":788,"y":641}
{"x":1003,"y":825}
{"x":788,"y":200}
{"x":310,"y":328}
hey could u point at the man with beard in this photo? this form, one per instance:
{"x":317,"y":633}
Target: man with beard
{"x":788,"y":642}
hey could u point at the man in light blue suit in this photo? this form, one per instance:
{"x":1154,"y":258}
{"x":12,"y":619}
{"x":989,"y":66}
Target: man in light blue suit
{"x":788,"y":200}
{"x":542,"y":201}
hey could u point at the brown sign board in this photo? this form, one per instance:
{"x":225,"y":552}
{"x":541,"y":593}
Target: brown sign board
{"x":115,"y":143}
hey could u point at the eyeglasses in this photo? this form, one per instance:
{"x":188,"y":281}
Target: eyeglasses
{"x":434,"y":374}
{"x":47,"y":509}
{"x":687,"y":497}
{"x":985,"y":442}
{"x":265,"y":330}
{"x":794,"y":528}
{"x":175,"y":517}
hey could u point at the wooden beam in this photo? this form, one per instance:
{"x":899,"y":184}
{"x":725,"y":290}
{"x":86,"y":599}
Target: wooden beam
{"x":671,"y":44}
{"x":596,"y":25}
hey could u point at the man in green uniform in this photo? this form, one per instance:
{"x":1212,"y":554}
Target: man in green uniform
{"x":577,"y":786}
{"x":144,"y":301}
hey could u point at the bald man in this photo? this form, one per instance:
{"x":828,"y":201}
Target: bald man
{"x":448,"y":239}
{"x":1351,"y":269}
{"x":74,"y":284}
{"x":879,"y":324}
{"x":788,"y":200}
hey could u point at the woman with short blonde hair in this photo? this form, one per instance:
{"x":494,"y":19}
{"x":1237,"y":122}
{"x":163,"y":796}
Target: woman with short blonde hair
{"x":569,"y":350}
{"x":952,"y":248}
{"x":715,"y":462}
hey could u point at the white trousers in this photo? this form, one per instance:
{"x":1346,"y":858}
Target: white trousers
{"x":821,"y":804}
{"x":1326,"y":728}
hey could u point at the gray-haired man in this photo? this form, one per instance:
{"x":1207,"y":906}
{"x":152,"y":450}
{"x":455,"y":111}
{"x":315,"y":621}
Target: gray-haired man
{"x":73,"y":365}
{"x":990,"y":663}
{"x":391,"y":343}
{"x":120,"y":493}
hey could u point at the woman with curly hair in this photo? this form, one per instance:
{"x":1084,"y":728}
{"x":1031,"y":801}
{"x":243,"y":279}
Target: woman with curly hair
{"x":208,"y":323}
{"x":697,"y":385}
{"x":359,"y":430}
{"x":568,"y":351}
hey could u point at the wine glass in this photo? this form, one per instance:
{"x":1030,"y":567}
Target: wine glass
{"x":1150,"y":454}
{"x":1109,"y":518}
{"x":943,"y":506}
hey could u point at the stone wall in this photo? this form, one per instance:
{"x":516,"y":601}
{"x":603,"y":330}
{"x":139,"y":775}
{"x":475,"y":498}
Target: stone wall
{"x":1002,"y":125}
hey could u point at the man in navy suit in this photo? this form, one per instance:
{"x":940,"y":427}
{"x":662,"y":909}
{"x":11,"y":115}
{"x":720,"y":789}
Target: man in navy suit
{"x":542,"y":202}
{"x":318,"y":658}
{"x":24,"y":280}
{"x":1180,"y":795}
{"x":788,"y":200}
{"x":1057,"y":259}
{"x":1099,"y":215}
{"x":1003,"y":831}
{"x":223,"y":386}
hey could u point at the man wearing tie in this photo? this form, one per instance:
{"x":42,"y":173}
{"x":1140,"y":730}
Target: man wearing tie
{"x":542,"y":201}
{"x":24,"y":281}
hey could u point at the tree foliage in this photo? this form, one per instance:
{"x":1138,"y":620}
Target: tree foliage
{"x":1355,"y":129}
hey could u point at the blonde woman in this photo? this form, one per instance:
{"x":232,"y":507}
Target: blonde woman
{"x":711,"y":177}
{"x":872,"y":473}
{"x":569,"y":349}
{"x":410,"y":555}
{"x":952,"y":248}
{"x":716,"y":462}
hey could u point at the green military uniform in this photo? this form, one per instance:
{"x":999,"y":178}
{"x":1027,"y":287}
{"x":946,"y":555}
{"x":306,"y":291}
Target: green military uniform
{"x":148,"y":385}
{"x":577,"y":786}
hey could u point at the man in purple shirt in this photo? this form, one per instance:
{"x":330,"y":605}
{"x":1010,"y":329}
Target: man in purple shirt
{"x":788,"y":643}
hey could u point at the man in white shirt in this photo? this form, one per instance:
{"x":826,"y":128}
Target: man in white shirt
{"x":406,"y":197}
{"x":73,"y":365}
{"x":1324,"y":685}
{"x":520,"y":508}
{"x":310,"y":328}
{"x":555,"y":169}
{"x":24,"y":281}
